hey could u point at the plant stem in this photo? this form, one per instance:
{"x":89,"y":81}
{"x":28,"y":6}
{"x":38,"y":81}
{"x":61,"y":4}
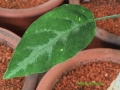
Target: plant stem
{"x":107,"y":17}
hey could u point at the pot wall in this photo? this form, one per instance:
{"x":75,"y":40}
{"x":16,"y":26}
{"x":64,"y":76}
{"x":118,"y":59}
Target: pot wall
{"x":91,"y":55}
{"x":74,"y":2}
{"x":107,"y":37}
{"x":24,"y":17}
{"x":9,"y":37}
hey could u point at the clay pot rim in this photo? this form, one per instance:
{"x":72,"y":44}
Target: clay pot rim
{"x":29,"y":12}
{"x":9,"y":37}
{"x":107,"y":37}
{"x":53,"y":75}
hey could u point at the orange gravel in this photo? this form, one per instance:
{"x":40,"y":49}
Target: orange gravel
{"x":5,"y":56}
{"x":102,"y":8}
{"x":100,"y":74}
{"x":20,"y":4}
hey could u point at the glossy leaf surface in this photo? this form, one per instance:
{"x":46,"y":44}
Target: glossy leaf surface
{"x":53,"y":38}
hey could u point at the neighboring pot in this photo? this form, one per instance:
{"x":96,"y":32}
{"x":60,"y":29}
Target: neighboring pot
{"x":83,"y":57}
{"x":107,"y":37}
{"x":100,"y":33}
{"x":31,"y":81}
{"x":9,"y":38}
{"x":12,"y":40}
{"x":74,"y":2}
{"x":24,"y":17}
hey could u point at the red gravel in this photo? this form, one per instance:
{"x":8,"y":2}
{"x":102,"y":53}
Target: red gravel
{"x":102,"y":8}
{"x":20,"y":4}
{"x":5,"y":56}
{"x":102,"y":72}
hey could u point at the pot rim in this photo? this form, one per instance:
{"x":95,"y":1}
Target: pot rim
{"x":106,"y":36}
{"x":9,"y":37}
{"x":29,"y":12}
{"x":53,"y":75}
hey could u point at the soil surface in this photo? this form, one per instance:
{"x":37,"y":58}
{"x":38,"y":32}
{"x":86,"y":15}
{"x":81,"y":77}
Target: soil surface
{"x":102,"y":8}
{"x":92,"y":76}
{"x":5,"y":56}
{"x":20,"y":4}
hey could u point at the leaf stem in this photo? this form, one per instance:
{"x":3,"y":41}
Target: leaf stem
{"x":107,"y":17}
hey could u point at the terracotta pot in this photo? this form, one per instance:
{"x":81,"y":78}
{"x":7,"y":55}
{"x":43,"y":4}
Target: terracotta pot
{"x":100,"y":33}
{"x":9,"y":37}
{"x":12,"y":39}
{"x":24,"y":17}
{"x":107,"y":37}
{"x":74,"y":2}
{"x":31,"y":81}
{"x":83,"y":57}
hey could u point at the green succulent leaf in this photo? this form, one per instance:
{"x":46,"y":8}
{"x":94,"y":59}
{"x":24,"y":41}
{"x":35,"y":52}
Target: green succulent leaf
{"x":54,"y":38}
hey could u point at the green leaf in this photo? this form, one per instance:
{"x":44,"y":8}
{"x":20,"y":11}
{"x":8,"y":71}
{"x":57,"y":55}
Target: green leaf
{"x":53,"y":38}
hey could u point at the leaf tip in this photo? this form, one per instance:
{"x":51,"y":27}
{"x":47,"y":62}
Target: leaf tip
{"x":5,"y":76}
